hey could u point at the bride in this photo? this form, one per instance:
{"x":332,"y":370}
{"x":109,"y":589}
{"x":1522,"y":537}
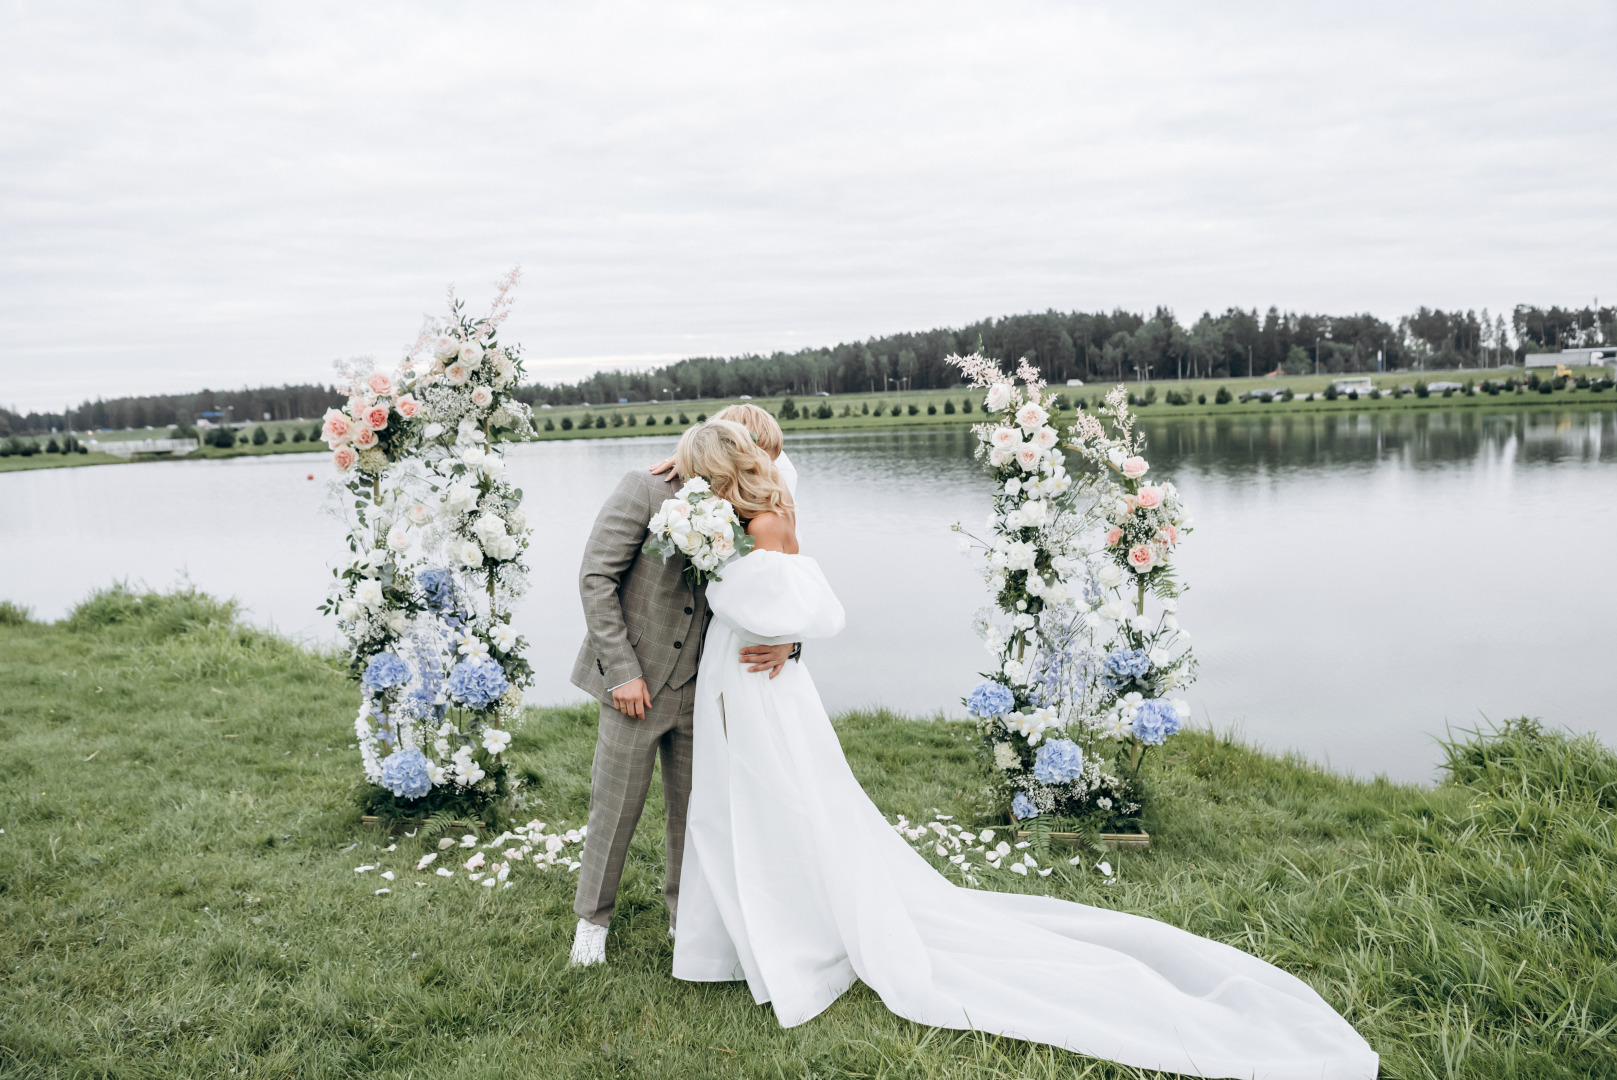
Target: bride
{"x":796,"y":883}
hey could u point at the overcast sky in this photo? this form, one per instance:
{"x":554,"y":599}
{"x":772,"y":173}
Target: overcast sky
{"x":212,"y":194}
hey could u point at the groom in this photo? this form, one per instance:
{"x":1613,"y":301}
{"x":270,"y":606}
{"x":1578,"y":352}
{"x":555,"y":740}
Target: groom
{"x":645,"y":626}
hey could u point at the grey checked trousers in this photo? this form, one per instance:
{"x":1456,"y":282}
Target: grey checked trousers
{"x":625,"y":751}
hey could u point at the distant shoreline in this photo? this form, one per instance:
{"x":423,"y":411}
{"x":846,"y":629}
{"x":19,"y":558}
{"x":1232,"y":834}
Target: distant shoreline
{"x":683,"y":413}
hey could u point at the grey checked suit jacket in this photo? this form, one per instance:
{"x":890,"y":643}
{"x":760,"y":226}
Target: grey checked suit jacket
{"x":644,"y":619}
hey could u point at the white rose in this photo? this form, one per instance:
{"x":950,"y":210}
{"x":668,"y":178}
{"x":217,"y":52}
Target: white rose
{"x":1111,"y":575}
{"x":505,"y":369}
{"x":457,"y":374}
{"x":369,"y":593}
{"x":1000,"y":458}
{"x":1031,"y":416}
{"x":493,"y":466}
{"x":468,"y":553}
{"x":461,"y":496}
{"x":999,"y":396}
{"x":1046,"y":439}
{"x":398,"y":538}
{"x":471,"y":352}
{"x":398,"y":622}
{"x":1005,"y":438}
{"x":445,"y":347}
{"x":506,"y":548}
{"x":1029,"y":456}
{"x":419,"y":514}
{"x":347,"y":611}
{"x":488,"y":527}
{"x":1013,"y":486}
{"x":482,"y":397}
{"x":1159,"y":657}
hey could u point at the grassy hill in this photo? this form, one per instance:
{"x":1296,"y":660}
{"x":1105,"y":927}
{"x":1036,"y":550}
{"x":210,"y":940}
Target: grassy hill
{"x":178,"y":894}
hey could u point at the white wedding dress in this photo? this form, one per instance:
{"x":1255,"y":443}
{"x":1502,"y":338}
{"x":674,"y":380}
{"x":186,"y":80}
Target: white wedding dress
{"x":795,"y":882}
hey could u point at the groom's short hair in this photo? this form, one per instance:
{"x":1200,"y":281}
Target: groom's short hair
{"x":765,"y":430}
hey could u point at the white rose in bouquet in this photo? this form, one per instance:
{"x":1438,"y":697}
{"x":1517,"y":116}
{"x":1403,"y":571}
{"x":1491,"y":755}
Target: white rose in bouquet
{"x":467,"y":553}
{"x":347,"y":611}
{"x":506,"y":548}
{"x":699,"y":525}
{"x":471,"y":352}
{"x":368,"y":593}
{"x":999,"y":396}
{"x":1046,"y":438}
{"x":419,"y":513}
{"x":482,"y":396}
{"x":398,"y":538}
{"x":462,"y":496}
{"x":398,"y":622}
{"x":1032,"y":416}
{"x":445,"y":347}
{"x":488,"y":528}
{"x":1029,"y":457}
{"x":1005,"y":438}
{"x":458,"y":373}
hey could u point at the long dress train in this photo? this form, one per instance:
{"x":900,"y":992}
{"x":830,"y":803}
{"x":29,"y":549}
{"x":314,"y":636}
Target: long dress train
{"x":795,"y":882}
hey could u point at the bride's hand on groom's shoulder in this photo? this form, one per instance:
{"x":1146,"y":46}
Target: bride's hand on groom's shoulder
{"x":663,"y":467}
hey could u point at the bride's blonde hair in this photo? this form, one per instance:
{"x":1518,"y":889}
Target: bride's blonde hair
{"x":722,"y":452}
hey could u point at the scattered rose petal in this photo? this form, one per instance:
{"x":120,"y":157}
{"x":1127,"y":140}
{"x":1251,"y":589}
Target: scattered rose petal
{"x":383,"y":892}
{"x":387,"y":875}
{"x":445,"y":873}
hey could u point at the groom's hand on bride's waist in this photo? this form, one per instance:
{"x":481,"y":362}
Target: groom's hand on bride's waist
{"x":632,"y":698}
{"x":770,"y":658}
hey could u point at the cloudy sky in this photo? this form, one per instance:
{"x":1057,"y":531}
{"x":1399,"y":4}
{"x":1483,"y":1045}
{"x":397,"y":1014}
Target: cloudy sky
{"x":214,"y":194}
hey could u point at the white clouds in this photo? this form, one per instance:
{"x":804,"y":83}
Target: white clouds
{"x":190,"y":196}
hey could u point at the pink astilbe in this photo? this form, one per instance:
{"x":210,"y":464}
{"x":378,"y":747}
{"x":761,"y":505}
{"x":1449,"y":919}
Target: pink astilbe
{"x":1030,"y":375}
{"x":978,"y":369}
{"x":501,"y":307}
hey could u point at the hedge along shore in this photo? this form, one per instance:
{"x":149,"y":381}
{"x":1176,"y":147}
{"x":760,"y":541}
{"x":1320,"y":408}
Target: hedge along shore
{"x":181,"y":837}
{"x":616,"y":417}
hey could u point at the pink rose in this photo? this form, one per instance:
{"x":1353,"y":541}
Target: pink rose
{"x":1113,"y":537}
{"x":337,"y":429}
{"x":457,"y":373}
{"x":1168,"y":535}
{"x":344,"y":457}
{"x":376,"y":417}
{"x":1149,"y":498}
{"x":364,"y":438}
{"x":1135,"y":467}
{"x":408,"y":407}
{"x":381,"y":384}
{"x":356,"y":404}
{"x":1142,"y":558}
{"x":1028,"y":456}
{"x":482,"y":397}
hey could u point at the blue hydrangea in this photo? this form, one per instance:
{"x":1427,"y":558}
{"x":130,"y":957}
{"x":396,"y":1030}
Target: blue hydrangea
{"x":477,"y":684}
{"x":1022,"y":807}
{"x":990,"y":699}
{"x":1123,"y":665}
{"x":404,"y":773}
{"x":1155,"y":720}
{"x":1058,"y":762}
{"x":384,"y":672}
{"x":439,"y":587}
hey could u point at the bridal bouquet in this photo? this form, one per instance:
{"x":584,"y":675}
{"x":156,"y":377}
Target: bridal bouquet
{"x":437,"y":534}
{"x":702,"y":527}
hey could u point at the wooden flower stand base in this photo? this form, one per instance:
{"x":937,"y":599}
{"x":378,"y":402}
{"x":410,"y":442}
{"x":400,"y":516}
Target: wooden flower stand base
{"x":1116,"y":841}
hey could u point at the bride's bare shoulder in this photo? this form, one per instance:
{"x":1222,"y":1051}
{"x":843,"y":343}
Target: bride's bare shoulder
{"x":773,"y":532}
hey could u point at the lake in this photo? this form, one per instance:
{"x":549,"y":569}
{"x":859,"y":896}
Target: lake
{"x":1358,"y":583}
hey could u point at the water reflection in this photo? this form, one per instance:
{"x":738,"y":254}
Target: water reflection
{"x":1359,"y":580}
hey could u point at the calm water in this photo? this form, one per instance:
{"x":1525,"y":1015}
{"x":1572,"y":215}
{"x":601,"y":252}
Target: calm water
{"x":1358,"y":583}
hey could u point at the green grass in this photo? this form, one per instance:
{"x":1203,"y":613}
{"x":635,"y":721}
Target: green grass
{"x":178,"y":896}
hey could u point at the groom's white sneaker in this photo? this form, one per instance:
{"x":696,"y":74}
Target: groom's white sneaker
{"x":589,"y":944}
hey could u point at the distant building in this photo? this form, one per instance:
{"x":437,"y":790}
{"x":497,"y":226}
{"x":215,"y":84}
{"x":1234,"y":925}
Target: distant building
{"x":1440,"y":387}
{"x":1075,"y":382}
{"x":1594,"y":356}
{"x":1360,"y":385}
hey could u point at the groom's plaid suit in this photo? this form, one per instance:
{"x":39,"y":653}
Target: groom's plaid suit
{"x":644,"y":621}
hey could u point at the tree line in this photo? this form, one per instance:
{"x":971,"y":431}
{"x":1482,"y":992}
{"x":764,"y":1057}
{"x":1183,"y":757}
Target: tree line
{"x":1092,"y":346}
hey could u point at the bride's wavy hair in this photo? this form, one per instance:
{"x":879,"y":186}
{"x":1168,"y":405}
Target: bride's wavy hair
{"x":722,"y":453}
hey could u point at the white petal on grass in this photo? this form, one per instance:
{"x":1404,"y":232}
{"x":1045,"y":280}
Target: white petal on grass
{"x":383,"y":892}
{"x":441,"y":872}
{"x":362,"y":869}
{"x":387,"y":875}
{"x":1044,"y":873}
{"x":1018,"y":868}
